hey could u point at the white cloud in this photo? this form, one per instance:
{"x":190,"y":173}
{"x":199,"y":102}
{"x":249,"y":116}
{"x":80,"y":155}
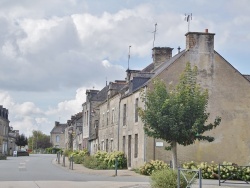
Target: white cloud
{"x":49,"y":49}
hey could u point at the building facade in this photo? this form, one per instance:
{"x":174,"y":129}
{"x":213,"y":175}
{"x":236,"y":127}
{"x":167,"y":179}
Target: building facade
{"x":4,"y":130}
{"x":57,"y":135}
{"x":111,"y":121}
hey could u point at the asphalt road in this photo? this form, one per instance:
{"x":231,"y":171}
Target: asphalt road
{"x":37,"y":171}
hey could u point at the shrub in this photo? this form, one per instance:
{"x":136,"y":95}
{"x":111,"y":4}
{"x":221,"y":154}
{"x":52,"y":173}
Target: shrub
{"x":78,"y":159}
{"x":3,"y":157}
{"x":121,"y":159}
{"x":93,"y":163}
{"x":67,"y":153}
{"x":211,"y":171}
{"x":104,"y":160}
{"x":52,"y":150}
{"x":152,"y":166}
{"x":167,"y":178}
{"x":78,"y":156}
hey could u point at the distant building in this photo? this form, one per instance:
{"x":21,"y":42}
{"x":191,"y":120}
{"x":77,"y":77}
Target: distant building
{"x":57,"y":136}
{"x":73,"y":133}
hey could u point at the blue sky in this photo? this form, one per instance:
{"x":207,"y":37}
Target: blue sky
{"x":52,"y":51}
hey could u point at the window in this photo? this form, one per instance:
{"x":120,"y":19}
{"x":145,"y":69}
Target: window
{"x":136,"y":146}
{"x":87,"y":123}
{"x":107,"y":118}
{"x":57,"y":138}
{"x":107,"y":145}
{"x":124,"y":114}
{"x":85,"y":115}
{"x":111,"y":144}
{"x":113,"y":116}
{"x":96,"y":124}
{"x":123,"y":143}
{"x":136,"y":109}
{"x":103,"y":117}
{"x":103,"y":146}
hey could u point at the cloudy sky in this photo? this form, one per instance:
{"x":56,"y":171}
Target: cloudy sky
{"x":51,"y":51}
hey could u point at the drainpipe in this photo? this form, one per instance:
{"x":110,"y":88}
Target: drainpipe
{"x":89,"y":124}
{"x":118,"y":128}
{"x":145,"y":136}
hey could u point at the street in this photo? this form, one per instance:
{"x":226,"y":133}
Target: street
{"x":37,"y":171}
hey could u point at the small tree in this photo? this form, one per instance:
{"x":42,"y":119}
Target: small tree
{"x":39,"y":140}
{"x":21,"y":140}
{"x":178,"y":116}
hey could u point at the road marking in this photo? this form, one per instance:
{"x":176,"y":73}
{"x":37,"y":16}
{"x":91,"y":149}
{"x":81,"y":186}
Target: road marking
{"x":22,"y":167}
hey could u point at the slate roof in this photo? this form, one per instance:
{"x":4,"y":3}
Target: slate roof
{"x":59,"y":128}
{"x":149,"y":68}
{"x":101,"y":95}
{"x":136,"y":83}
{"x":247,"y":77}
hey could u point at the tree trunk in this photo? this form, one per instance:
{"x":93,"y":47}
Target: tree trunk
{"x":174,"y":154}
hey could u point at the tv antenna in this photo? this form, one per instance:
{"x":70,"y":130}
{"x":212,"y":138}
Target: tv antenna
{"x":188,"y":18}
{"x":154,"y":35}
{"x":128,"y":55}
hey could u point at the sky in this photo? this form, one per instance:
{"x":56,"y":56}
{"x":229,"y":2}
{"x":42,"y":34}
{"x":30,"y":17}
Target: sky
{"x":51,"y":51}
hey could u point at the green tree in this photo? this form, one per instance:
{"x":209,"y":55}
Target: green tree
{"x":178,"y":116}
{"x":21,"y":140}
{"x":38,"y":140}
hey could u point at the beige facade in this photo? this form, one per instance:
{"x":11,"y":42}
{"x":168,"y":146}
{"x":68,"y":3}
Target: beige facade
{"x":111,"y":121}
{"x":57,"y":135}
{"x":108,"y":126}
{"x":229,"y":98}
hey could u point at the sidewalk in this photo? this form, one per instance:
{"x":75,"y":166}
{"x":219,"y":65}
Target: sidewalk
{"x":79,"y":168}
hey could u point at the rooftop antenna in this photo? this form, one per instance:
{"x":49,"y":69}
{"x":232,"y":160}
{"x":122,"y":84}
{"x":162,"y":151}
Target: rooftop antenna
{"x":106,"y":81}
{"x":128,"y":55}
{"x":154,"y":35}
{"x":188,"y":18}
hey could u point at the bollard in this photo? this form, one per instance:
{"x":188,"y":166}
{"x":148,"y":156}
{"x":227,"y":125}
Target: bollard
{"x":178,"y":178}
{"x":72,"y":161}
{"x":200,"y":178}
{"x":58,"y":158}
{"x":64,"y":160}
{"x":116,"y":164}
{"x":69,"y":162}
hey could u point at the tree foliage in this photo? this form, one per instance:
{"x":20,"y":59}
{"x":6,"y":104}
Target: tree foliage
{"x":21,"y":140}
{"x":178,"y":115}
{"x":39,"y":140}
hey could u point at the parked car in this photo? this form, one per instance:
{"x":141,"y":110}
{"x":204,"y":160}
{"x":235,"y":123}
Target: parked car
{"x":22,"y":153}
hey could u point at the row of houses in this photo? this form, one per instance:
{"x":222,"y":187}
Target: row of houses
{"x":109,"y":120}
{"x":7,"y":134}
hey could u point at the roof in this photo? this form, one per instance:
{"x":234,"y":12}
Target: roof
{"x":148,"y":68}
{"x":247,"y":77}
{"x":101,"y":95}
{"x":59,"y":128}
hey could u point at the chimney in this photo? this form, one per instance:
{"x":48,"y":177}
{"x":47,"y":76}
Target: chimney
{"x":200,"y":47}
{"x":161,"y":55}
{"x":200,"y":42}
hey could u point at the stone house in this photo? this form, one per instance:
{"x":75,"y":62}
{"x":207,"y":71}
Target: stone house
{"x":73,"y":133}
{"x":108,"y":132}
{"x":57,"y":135}
{"x":4,"y":130}
{"x":229,"y":98}
{"x":90,"y":117}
